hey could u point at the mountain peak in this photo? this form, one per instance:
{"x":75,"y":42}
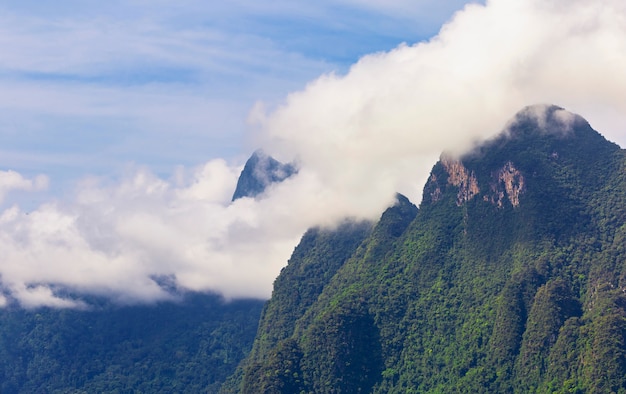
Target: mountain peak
{"x":536,"y":148}
{"x":544,"y":119}
{"x":260,"y":171}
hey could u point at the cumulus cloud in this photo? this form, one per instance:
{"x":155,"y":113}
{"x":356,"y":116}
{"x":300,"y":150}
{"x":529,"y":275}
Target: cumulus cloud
{"x":372,"y":127}
{"x":11,"y":180}
{"x":145,"y":238}
{"x":137,"y":240}
{"x":358,"y":138}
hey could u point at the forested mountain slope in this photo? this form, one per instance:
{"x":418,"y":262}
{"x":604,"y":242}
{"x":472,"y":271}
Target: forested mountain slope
{"x":186,"y":347}
{"x":511,"y":277}
{"x":314,"y":262}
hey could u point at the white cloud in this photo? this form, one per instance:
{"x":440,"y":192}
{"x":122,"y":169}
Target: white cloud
{"x":372,"y":128}
{"x":38,"y":296}
{"x":11,"y":180}
{"x":121,"y":240}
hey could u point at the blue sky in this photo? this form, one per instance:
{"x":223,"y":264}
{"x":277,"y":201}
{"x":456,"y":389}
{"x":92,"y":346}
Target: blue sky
{"x":125,"y":124}
{"x":89,"y":87}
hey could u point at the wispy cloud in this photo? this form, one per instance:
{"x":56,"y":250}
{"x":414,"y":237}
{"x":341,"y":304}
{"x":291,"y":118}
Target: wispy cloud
{"x":120,"y":73}
{"x":116,"y":83}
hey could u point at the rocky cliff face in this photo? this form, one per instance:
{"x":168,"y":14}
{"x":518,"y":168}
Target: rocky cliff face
{"x":462,"y":178}
{"x":509,"y":182}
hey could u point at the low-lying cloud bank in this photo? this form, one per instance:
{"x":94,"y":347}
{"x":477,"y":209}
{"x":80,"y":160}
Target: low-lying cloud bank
{"x":358,"y":139}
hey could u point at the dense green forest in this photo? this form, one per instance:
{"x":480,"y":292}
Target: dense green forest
{"x":185,"y":347}
{"x":509,"y":278}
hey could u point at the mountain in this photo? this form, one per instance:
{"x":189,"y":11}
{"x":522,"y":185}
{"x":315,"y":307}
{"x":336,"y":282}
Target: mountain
{"x":259,"y":172}
{"x":509,"y":278}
